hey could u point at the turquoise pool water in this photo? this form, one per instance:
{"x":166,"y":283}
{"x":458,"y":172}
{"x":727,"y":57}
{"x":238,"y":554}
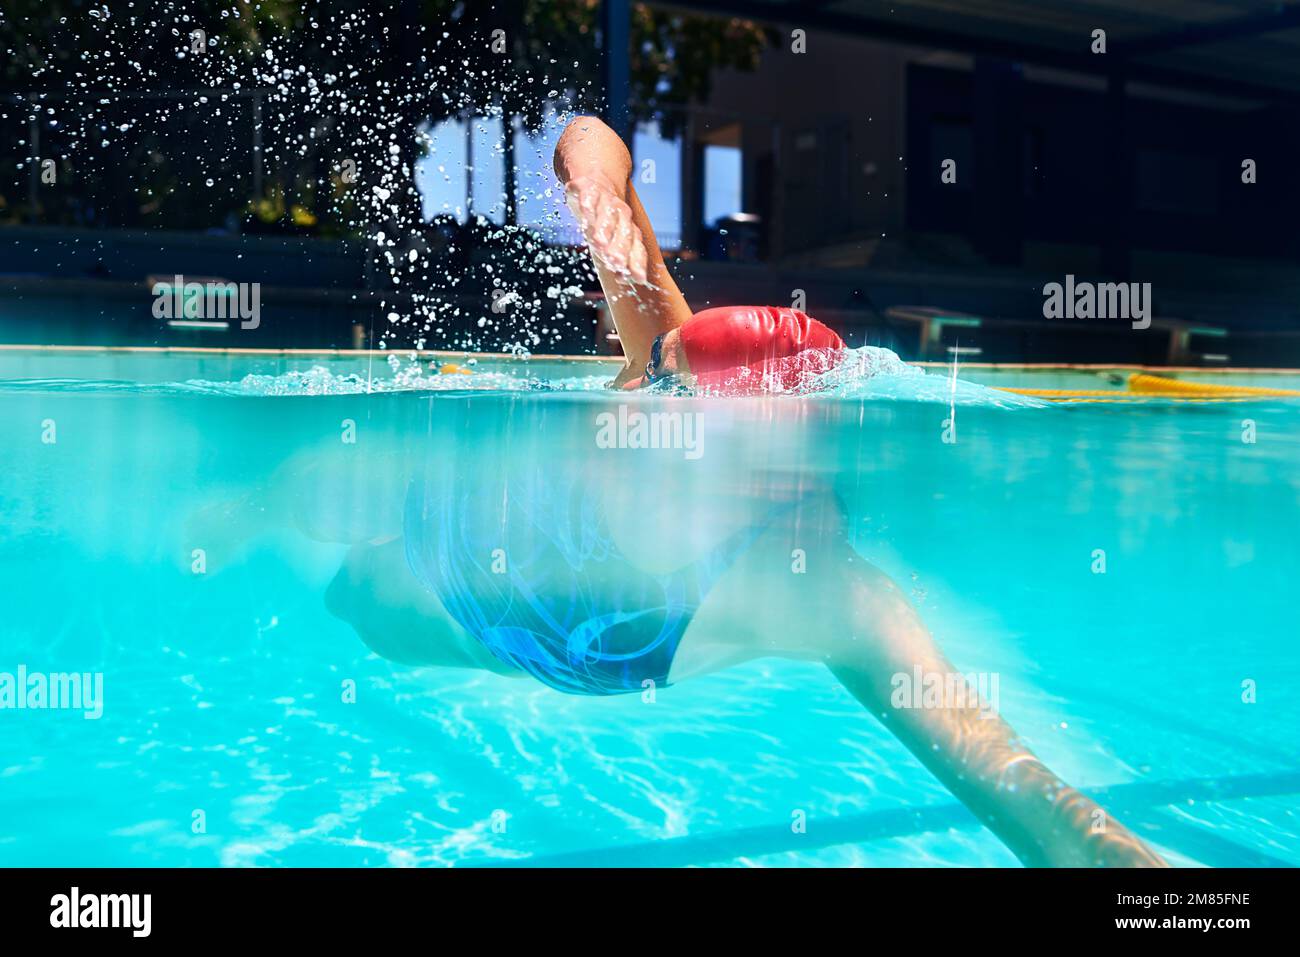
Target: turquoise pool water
{"x":230,"y":734}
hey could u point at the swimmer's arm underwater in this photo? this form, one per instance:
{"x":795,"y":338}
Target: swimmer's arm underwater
{"x":973,"y":752}
{"x":595,"y":167}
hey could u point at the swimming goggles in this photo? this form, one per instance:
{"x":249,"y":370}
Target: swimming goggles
{"x":652,"y":372}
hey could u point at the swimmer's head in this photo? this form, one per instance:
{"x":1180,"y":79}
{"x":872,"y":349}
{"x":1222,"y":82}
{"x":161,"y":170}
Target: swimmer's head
{"x":667,"y":362}
{"x":743,"y":350}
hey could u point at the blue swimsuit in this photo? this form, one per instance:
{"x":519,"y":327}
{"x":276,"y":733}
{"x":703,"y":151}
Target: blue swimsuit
{"x":533,"y":574}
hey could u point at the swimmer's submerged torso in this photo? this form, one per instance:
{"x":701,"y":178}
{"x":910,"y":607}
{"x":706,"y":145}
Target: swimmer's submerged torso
{"x":536,"y":575}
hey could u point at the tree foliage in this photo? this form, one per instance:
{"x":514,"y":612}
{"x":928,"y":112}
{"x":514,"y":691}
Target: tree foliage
{"x":343,"y":79}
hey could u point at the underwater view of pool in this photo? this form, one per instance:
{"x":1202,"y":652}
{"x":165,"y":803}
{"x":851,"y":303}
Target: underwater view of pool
{"x":237,"y":553}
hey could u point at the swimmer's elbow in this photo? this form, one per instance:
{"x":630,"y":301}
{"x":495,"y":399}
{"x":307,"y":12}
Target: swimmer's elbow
{"x":585,"y":124}
{"x":587,"y":142}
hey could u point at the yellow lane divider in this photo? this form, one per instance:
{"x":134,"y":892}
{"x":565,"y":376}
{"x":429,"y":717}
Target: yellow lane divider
{"x":1142,"y":386}
{"x":1160,"y":385}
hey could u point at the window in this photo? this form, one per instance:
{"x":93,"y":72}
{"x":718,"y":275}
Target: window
{"x":444,"y":179}
{"x":722,"y":183}
{"x":657,"y":176}
{"x":440,"y":172}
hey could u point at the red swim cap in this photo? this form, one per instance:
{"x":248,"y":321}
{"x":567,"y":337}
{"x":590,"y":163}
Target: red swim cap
{"x":753,"y":349}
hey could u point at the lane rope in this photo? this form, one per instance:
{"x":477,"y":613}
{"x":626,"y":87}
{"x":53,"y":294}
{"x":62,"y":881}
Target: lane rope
{"x":1143,"y":386}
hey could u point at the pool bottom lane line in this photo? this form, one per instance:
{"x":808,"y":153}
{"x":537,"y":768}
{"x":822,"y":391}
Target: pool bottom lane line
{"x":1134,"y":801}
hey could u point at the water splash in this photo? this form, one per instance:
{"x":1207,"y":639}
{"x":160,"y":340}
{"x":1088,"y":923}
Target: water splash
{"x":337,"y":103}
{"x":868,"y":373}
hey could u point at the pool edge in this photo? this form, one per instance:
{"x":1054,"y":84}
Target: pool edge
{"x":559,"y":357}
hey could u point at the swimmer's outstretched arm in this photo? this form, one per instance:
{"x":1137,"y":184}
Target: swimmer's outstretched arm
{"x":977,"y":756}
{"x":595,"y":167}
{"x":866,"y":632}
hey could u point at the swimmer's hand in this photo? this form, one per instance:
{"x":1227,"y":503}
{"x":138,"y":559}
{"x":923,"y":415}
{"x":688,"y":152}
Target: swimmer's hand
{"x":607,"y":225}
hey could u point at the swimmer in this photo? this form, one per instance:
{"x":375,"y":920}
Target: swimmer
{"x":733,"y":350}
{"x":600,"y":575}
{"x":877,"y":633}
